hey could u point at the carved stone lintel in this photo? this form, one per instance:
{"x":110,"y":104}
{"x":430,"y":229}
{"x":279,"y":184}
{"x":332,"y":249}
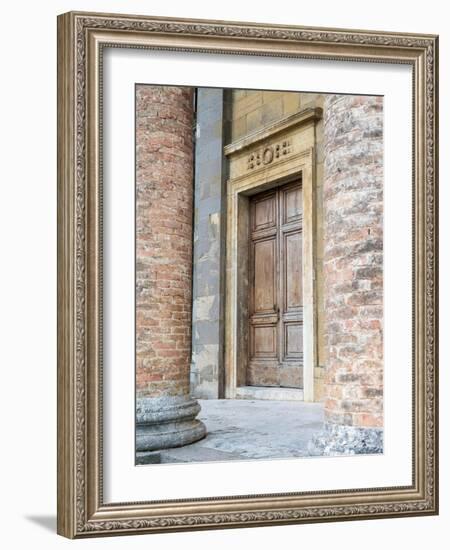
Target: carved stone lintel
{"x":267,"y":154}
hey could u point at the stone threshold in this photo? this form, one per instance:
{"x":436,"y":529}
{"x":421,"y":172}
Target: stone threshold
{"x":265,"y":392}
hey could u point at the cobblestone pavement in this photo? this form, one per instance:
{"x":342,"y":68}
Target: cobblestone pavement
{"x":240,"y":429}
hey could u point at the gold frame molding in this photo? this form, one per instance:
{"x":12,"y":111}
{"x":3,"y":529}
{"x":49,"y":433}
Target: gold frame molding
{"x":81,"y":39}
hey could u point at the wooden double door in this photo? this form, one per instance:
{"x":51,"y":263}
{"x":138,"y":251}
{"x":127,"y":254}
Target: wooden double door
{"x":275,"y":320}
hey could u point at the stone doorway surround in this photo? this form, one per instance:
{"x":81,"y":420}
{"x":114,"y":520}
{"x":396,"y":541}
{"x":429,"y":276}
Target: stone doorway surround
{"x":275,"y":155}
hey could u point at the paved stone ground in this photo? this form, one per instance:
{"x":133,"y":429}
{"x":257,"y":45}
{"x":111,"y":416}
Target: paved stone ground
{"x":240,"y":429}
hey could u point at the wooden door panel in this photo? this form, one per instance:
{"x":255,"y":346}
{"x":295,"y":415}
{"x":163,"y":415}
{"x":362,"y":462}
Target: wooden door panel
{"x":290,"y":376}
{"x":263,"y":374}
{"x":264,"y":215}
{"x":293,"y":338}
{"x":275,"y":289}
{"x":264,"y":342}
{"x":291,"y":285}
{"x":292,"y":207}
{"x":264,"y":280}
{"x":292,"y":259}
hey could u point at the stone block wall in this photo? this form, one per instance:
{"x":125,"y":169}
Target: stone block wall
{"x":209,"y":246}
{"x":254,"y":109}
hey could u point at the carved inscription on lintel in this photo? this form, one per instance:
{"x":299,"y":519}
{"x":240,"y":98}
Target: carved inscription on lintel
{"x":268,"y":154}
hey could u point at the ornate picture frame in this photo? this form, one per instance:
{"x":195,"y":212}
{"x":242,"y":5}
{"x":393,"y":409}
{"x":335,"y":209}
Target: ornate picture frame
{"x":82,"y":38}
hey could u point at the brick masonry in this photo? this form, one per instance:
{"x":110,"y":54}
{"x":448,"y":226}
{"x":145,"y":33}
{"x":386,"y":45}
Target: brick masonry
{"x":353,"y":261}
{"x":164,"y":198}
{"x":165,"y":412}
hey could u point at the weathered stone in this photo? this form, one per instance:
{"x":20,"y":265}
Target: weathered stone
{"x":209,"y":247}
{"x":243,"y":429}
{"x":165,"y":422}
{"x":143,"y":458}
{"x":337,"y":439}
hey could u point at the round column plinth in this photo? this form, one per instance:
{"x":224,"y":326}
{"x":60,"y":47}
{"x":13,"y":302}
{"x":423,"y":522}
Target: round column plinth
{"x":167,"y":422}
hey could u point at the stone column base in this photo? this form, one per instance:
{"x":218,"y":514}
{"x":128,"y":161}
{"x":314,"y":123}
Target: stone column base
{"x":336,"y":439}
{"x":166,"y":422}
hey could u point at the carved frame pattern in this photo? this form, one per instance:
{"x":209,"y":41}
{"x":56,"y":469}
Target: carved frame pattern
{"x":81,"y":37}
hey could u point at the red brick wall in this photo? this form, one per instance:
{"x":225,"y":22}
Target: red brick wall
{"x":164,"y":199}
{"x":353,"y":260}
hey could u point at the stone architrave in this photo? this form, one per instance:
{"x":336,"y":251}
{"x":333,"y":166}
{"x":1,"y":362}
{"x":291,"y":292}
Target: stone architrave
{"x":353,"y":275}
{"x":165,"y":412}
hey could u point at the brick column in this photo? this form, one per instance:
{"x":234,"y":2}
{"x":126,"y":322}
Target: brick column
{"x":165,"y":412}
{"x":353,"y":274}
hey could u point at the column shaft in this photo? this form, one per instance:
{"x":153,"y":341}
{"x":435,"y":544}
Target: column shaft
{"x":164,"y":203}
{"x":353,"y":273}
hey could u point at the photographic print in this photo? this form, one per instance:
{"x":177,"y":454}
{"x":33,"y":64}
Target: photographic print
{"x":259,"y":274}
